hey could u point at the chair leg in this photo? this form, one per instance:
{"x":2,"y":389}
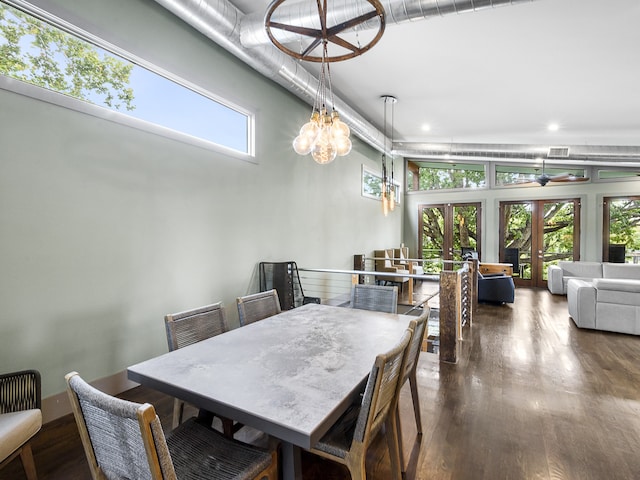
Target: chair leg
{"x":413,"y":383}
{"x":391,"y":433}
{"x":271,"y":472}
{"x":27,"y":462}
{"x":178,"y":410}
{"x":357,"y":468}
{"x":227,"y":427}
{"x":399,"y":435}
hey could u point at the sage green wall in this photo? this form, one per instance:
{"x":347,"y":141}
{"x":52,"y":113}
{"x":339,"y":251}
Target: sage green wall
{"x":590,"y":195}
{"x":105,"y":228}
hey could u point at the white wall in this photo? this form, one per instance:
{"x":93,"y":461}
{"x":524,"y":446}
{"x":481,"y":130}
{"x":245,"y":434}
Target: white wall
{"x":104,"y":228}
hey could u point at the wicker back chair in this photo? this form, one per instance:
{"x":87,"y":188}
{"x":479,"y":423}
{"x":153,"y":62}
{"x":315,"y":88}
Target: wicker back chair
{"x":258,"y":306}
{"x":375,"y":297}
{"x":347,"y":441}
{"x":123,"y":439}
{"x":419,"y":328}
{"x":192,"y":326}
{"x":20,"y":417}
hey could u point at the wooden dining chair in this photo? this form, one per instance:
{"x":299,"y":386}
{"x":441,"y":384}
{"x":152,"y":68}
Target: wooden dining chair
{"x":123,"y":439}
{"x":258,"y":306}
{"x":20,"y":417}
{"x":375,"y":297}
{"x":348,"y":439}
{"x":419,"y":327}
{"x":192,"y":326}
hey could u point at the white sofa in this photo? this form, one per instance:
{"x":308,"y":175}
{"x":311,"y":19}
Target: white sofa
{"x":610,"y":303}
{"x":559,"y":275}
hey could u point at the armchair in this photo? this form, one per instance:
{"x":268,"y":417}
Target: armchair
{"x":495,"y":288}
{"x":384,"y":263}
{"x":403,"y":253}
{"x":20,"y":417}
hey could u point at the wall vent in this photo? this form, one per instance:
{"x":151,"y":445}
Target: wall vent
{"x":558,"y":152}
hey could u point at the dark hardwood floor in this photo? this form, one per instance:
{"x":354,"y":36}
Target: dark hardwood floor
{"x":532,"y":397}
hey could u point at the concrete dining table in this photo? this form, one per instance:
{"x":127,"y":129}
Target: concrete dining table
{"x":291,"y":375}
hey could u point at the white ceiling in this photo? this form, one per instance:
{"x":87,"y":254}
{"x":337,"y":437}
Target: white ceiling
{"x":501,"y":75}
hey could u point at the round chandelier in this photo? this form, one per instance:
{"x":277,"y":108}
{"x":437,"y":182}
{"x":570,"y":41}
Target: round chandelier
{"x":305,"y":24}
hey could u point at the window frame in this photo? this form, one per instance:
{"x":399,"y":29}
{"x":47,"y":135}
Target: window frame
{"x":486,"y":168}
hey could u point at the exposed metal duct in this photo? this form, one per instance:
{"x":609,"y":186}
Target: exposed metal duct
{"x":585,"y":155}
{"x":244,"y":37}
{"x":220,"y":21}
{"x":305,"y":14}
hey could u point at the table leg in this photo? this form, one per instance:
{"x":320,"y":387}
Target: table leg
{"x":291,"y":462}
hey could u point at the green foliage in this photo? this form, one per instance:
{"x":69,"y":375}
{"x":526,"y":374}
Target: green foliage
{"x":450,"y":176}
{"x":433,"y":232}
{"x":37,"y":53}
{"x":624,"y":225}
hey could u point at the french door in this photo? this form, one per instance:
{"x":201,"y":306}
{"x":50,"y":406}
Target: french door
{"x":537,"y":233}
{"x":445,"y":230}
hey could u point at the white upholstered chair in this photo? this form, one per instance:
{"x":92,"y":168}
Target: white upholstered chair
{"x":20,"y":417}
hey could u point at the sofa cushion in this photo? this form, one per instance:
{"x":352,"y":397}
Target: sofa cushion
{"x":16,"y":428}
{"x":581,"y":269}
{"x":621,"y":270}
{"x":618,"y":291}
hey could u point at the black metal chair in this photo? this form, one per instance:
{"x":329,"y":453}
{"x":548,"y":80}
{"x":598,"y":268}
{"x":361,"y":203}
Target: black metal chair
{"x":512,"y":256}
{"x":285,"y":279}
{"x":617,"y":252}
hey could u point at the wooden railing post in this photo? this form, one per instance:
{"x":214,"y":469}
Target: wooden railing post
{"x":449,"y":288}
{"x":474,"y":268}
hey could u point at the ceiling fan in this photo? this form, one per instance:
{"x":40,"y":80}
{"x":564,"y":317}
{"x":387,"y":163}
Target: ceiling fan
{"x":545,"y":178}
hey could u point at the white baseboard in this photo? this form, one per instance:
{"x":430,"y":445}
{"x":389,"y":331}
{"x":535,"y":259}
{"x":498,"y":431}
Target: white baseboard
{"x":57,"y":406}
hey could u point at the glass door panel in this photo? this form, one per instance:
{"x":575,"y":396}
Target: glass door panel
{"x":465,"y":232}
{"x":621,"y":236}
{"x":515,"y":248}
{"x":447,"y":229}
{"x":559,"y":234}
{"x":536,"y":234}
{"x":432,"y":233}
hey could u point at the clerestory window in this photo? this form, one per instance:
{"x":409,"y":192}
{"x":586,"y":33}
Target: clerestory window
{"x":43,"y":51}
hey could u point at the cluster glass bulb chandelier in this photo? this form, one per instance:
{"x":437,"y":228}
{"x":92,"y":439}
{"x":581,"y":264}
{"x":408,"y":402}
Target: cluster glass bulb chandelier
{"x":388,"y":187}
{"x":325,"y":136}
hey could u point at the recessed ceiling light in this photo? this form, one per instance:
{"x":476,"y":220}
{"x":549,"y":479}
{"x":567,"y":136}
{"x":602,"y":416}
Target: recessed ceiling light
{"x":553,"y":127}
{"x":426,"y":127}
